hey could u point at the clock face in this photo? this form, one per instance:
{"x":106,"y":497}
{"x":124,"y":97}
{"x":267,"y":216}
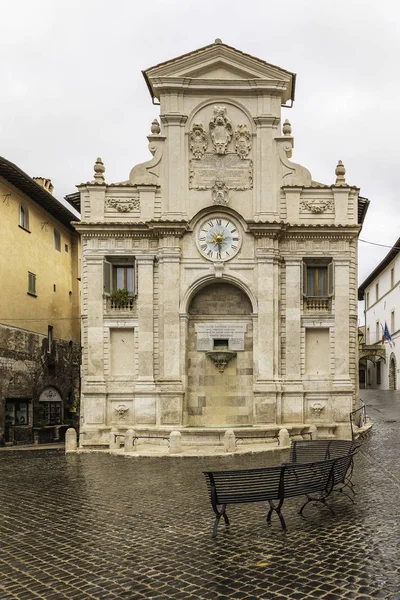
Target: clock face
{"x":218,"y":238}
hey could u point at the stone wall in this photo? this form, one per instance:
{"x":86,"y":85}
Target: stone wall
{"x":26,"y":369}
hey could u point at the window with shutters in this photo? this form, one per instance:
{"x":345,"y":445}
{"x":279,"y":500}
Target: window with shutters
{"x":119,"y":283}
{"x":31,"y":284}
{"x":23,"y":217}
{"x":317,"y":284}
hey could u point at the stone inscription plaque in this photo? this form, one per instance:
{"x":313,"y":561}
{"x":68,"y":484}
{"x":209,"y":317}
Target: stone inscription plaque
{"x":208,"y":332}
{"x":235,"y":172}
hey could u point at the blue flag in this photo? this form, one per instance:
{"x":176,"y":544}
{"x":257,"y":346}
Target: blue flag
{"x":386,"y":333}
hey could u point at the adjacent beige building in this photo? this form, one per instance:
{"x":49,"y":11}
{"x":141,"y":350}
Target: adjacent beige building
{"x":239,"y":270}
{"x":39,"y":307}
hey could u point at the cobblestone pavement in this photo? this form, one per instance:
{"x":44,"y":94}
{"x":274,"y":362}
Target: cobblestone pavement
{"x":98,"y":526}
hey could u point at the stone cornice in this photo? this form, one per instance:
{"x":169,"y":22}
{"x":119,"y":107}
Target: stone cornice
{"x":266,"y":120}
{"x":173,"y":119}
{"x":195,"y":85}
{"x":152,"y":229}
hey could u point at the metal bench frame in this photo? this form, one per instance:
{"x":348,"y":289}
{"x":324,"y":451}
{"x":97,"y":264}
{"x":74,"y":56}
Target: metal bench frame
{"x":314,"y":480}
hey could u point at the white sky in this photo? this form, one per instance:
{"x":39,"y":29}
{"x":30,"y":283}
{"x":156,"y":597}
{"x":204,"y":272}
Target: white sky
{"x":72,"y":88}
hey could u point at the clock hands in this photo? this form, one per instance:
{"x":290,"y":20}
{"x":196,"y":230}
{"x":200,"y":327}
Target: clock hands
{"x":218,"y":239}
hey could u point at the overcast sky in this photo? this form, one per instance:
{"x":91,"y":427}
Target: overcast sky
{"x":72,"y":87}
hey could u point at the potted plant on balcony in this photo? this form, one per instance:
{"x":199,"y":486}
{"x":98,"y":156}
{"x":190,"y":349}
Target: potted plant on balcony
{"x":119,"y":298}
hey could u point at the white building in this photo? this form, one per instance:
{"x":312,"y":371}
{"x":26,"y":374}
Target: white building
{"x":239,"y":270}
{"x":381,"y":295}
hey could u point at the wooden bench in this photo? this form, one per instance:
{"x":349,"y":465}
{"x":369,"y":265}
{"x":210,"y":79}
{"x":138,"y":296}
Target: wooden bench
{"x":315,"y":480}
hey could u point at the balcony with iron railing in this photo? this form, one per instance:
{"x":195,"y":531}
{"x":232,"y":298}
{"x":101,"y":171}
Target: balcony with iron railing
{"x":317,"y":304}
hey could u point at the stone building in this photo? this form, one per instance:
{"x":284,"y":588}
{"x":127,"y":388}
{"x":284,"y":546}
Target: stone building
{"x":380,"y":353}
{"x":219,"y":280}
{"x":39,"y":309}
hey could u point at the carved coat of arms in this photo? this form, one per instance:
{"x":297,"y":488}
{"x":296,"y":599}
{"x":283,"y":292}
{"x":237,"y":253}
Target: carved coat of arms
{"x":242,"y":141}
{"x":198,"y":140}
{"x":220,"y":130}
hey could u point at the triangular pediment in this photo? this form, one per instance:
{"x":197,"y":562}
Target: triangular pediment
{"x":220,"y":62}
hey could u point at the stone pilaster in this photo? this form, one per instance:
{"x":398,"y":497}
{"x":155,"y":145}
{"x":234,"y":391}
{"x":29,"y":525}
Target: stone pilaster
{"x":267,"y":315}
{"x":145,"y":318}
{"x":169,"y":259}
{"x":93,"y":303}
{"x":293,"y":313}
{"x":175,"y":169}
{"x":342,"y":320}
{"x":266,"y":196}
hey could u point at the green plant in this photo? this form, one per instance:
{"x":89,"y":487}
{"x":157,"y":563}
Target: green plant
{"x":120,"y":297}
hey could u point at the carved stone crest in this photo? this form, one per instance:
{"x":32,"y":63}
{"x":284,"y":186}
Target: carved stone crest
{"x":316,"y":205}
{"x":198,"y":140}
{"x":121,"y":410}
{"x":317,"y":409}
{"x":242,"y":141}
{"x":220,"y":130}
{"x":220,"y":193}
{"x":123,"y":205}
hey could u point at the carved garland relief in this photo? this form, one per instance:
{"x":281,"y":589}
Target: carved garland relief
{"x":316,"y":205}
{"x":222,"y":169}
{"x":122,"y":205}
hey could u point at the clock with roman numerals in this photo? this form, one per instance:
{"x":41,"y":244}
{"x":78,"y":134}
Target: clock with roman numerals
{"x":218,"y":238}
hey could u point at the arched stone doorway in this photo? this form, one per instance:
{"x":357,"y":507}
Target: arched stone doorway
{"x":219,"y":395}
{"x":392,"y":372}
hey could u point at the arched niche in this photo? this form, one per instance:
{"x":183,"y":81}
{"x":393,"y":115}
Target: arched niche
{"x":219,"y":321}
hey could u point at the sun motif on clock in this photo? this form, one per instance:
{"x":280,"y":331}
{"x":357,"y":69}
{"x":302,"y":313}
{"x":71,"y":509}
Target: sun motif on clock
{"x":218,"y":238}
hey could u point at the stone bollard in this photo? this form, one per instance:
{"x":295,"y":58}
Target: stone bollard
{"x":229,"y":441}
{"x":129,"y":445}
{"x":314,"y":432}
{"x":71,"y":443}
{"x":284,"y":439}
{"x":175,"y":442}
{"x":114,"y":440}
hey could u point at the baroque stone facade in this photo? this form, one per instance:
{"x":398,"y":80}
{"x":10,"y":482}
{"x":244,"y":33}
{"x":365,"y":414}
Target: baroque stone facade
{"x":239,"y":271}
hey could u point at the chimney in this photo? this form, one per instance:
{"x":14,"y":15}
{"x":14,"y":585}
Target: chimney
{"x":44,"y":183}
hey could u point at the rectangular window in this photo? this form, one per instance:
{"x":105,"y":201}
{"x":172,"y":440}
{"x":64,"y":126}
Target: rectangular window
{"x":31,"y":283}
{"x":317,"y":278}
{"x":392,"y":323}
{"x":23,"y":217}
{"x":377,"y":292}
{"x":57,"y":240}
{"x":50,"y":413}
{"x":392,"y":277}
{"x":367,"y":300}
{"x":16,"y":412}
{"x":368,"y":337}
{"x":378,"y":373}
{"x":378,"y":336}
{"x":123,"y":278}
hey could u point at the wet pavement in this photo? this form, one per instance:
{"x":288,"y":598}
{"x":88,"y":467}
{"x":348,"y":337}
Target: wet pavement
{"x":83,"y":526}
